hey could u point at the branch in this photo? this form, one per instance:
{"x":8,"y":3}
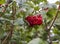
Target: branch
{"x":53,"y":20}
{"x":45,"y":24}
{"x":54,"y":17}
{"x":9,"y":35}
{"x":52,"y":25}
{"x":6,"y":38}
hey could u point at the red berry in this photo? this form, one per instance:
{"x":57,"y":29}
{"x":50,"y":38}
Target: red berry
{"x":34,"y":20}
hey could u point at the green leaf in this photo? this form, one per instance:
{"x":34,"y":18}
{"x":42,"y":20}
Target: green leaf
{"x":30,"y":3}
{"x":2,"y":1}
{"x":57,"y":2}
{"x":37,"y":2}
{"x":51,"y":13}
{"x":55,"y":42}
{"x":56,"y":31}
{"x":36,"y":8}
{"x":37,"y":41}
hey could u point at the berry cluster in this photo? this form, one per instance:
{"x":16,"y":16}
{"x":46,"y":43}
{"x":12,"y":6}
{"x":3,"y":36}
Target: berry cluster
{"x":34,"y":20}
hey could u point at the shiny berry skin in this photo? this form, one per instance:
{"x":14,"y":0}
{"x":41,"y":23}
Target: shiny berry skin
{"x":34,"y":20}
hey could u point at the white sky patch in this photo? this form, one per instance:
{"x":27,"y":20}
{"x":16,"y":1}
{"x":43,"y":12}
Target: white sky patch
{"x":52,"y":1}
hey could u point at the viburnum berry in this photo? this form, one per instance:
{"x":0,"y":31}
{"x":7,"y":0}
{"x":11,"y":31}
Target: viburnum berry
{"x":34,"y":20}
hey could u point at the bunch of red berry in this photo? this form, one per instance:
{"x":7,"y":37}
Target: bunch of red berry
{"x":34,"y":20}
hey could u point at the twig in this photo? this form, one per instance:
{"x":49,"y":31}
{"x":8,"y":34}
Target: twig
{"x":9,"y":35}
{"x":53,"y":20}
{"x":52,"y":25}
{"x":45,"y":24}
{"x":6,"y":38}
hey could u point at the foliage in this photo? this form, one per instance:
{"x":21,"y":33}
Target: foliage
{"x":15,"y":30}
